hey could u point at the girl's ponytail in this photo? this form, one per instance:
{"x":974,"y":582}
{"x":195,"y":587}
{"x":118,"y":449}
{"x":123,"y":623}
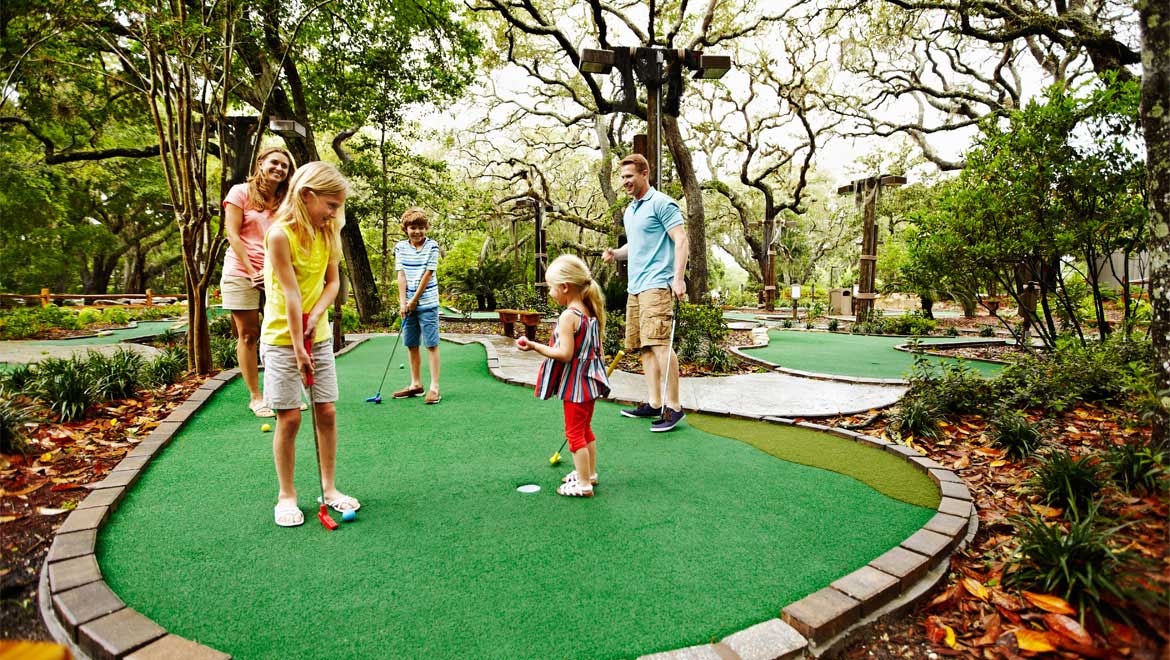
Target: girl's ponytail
{"x":595,"y":300}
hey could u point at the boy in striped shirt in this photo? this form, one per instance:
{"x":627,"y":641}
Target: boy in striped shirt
{"x":416,"y":260}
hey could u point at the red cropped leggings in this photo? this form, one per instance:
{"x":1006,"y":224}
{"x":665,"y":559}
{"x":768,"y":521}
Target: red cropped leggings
{"x":578,"y":421}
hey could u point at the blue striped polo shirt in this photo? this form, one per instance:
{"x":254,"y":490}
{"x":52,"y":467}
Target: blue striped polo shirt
{"x":415,"y":262}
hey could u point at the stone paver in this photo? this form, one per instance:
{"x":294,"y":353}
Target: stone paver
{"x":871,"y":587}
{"x":931,"y":544}
{"x":955,"y":507}
{"x":79,"y":606}
{"x":76,"y":544}
{"x":704,"y":652}
{"x":70,"y":573}
{"x":114,"y":635}
{"x":173,"y":647}
{"x":107,"y":497}
{"x":903,"y":564}
{"x":82,"y":519}
{"x":822,"y":614}
{"x":771,"y":640}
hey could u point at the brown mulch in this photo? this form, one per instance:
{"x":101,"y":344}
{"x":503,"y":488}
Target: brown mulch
{"x":1002,"y":353}
{"x":975,"y":615}
{"x":39,"y":488}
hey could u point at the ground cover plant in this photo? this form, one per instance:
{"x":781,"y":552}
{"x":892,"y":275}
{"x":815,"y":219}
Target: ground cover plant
{"x":56,"y":321}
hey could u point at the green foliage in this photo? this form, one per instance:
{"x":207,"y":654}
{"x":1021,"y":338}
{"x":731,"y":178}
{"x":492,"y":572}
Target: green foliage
{"x":65,"y":387}
{"x":223,"y":352}
{"x":1013,"y":431}
{"x":169,"y":337}
{"x":615,"y":333}
{"x":13,"y":417}
{"x":220,"y":326}
{"x":808,"y":325}
{"x":616,"y":293}
{"x":19,"y":379}
{"x":833,"y":325}
{"x":699,"y":334}
{"x":950,"y":387}
{"x":787,"y":323}
{"x":1114,"y":370}
{"x":916,"y":416}
{"x":525,"y":296}
{"x":1065,"y":481}
{"x":987,"y":331}
{"x":1137,"y":469}
{"x":167,"y":367}
{"x":1076,"y":562}
{"x":951,"y":331}
{"x":31,"y":321}
{"x":910,"y":323}
{"x":485,"y":282}
{"x":115,"y":376}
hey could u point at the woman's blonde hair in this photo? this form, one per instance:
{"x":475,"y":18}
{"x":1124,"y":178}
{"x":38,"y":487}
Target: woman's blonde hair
{"x":323,"y":179}
{"x":256,"y":182}
{"x":570,"y":269}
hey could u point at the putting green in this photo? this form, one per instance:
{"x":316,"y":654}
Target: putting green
{"x":692,"y":535}
{"x":858,"y":356}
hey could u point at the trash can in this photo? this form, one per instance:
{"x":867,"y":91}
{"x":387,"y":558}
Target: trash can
{"x":840,"y":302}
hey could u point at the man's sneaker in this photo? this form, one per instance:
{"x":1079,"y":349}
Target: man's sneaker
{"x":670,"y":419}
{"x":643,"y":411}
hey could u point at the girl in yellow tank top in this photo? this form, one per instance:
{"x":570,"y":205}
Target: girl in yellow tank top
{"x":301,"y":278}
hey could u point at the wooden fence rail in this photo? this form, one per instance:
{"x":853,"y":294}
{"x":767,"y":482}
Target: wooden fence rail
{"x":46,"y":297}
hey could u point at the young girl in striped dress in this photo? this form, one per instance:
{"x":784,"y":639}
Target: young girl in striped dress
{"x":574,"y":369}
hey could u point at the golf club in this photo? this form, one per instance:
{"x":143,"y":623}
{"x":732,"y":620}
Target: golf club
{"x":669,"y":348}
{"x":556,"y":457}
{"x":377,"y":398}
{"x":323,"y":513}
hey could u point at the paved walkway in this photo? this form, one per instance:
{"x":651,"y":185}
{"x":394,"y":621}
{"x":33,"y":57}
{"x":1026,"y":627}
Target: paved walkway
{"x":748,"y":395}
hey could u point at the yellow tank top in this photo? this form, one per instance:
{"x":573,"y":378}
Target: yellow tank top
{"x":309,"y":266}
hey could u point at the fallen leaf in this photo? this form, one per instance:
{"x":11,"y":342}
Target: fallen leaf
{"x":963,"y":462}
{"x":1034,"y":640}
{"x":1069,"y":628}
{"x":950,"y":640}
{"x":1049,"y":603}
{"x":47,"y":511}
{"x":1047,"y":511}
{"x":998,"y":463}
{"x":22,"y":492}
{"x":975,"y":588}
{"x":7,"y":519}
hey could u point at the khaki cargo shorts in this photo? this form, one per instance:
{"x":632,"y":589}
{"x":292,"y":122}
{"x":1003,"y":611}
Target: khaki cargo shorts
{"x":648,"y":317}
{"x":239,"y":294}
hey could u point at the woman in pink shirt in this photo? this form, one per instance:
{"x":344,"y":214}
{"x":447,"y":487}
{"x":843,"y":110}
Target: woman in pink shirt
{"x":248,"y":210}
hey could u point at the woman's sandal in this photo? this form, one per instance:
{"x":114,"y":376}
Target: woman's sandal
{"x":571,"y":477}
{"x":575,"y":489}
{"x":260,"y":410}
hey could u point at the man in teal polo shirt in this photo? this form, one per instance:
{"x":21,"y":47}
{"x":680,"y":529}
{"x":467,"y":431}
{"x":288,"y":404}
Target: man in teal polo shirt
{"x":657,"y":252}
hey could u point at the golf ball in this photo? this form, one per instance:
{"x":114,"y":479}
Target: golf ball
{"x":265,"y":428}
{"x":349,"y":516}
{"x":402,"y":366}
{"x":522,"y":342}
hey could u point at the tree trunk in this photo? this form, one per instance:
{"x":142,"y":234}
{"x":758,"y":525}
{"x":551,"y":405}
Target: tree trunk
{"x":357,"y":260}
{"x":1155,"y":22}
{"x":198,"y":336}
{"x":697,"y":289}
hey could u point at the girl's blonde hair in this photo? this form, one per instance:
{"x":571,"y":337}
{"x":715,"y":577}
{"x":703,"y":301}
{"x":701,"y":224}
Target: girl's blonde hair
{"x":323,"y":179}
{"x":570,"y":269}
{"x":256,"y":181}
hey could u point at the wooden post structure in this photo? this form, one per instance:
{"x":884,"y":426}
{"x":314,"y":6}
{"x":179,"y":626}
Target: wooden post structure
{"x":865,"y":195}
{"x":46,"y":298}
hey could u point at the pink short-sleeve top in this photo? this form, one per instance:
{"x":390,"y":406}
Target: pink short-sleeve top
{"x":252,"y":230}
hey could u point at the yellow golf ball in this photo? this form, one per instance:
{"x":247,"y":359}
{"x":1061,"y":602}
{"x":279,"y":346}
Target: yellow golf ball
{"x":265,"y":428}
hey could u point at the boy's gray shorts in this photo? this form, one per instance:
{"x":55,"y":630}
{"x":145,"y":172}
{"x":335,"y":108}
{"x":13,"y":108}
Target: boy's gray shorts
{"x":282,"y":382}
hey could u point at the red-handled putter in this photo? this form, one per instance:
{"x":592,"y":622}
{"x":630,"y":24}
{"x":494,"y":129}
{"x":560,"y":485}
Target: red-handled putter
{"x":323,"y":513}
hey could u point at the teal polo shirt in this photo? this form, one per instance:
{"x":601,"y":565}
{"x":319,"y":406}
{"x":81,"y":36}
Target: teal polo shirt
{"x":651,"y":250}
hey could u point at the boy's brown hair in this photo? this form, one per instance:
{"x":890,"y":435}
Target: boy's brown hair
{"x":415,"y":216}
{"x":638,"y":161}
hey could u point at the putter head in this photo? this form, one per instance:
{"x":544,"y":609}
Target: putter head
{"x":377,"y":398}
{"x":555,"y":459}
{"x":323,"y":515}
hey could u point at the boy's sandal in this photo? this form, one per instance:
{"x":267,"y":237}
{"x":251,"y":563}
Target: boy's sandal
{"x":572,"y":478}
{"x":433,"y":397}
{"x":260,"y":410}
{"x":575,"y":489}
{"x":407,"y":392}
{"x":304,"y":406}
{"x":343,"y":503}
{"x":289,"y":516}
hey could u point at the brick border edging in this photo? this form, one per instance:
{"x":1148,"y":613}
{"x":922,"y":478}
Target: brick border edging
{"x":78,"y":607}
{"x":819,"y":623}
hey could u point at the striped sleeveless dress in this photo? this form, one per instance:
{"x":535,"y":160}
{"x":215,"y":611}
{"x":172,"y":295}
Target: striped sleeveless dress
{"x":581,"y":379}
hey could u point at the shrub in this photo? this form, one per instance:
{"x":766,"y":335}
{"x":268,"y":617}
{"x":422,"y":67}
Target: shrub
{"x":65,"y":387}
{"x":615,"y":333}
{"x":115,"y":316}
{"x":1113,"y":370}
{"x":13,"y":417}
{"x":1075,"y":561}
{"x":169,"y":337}
{"x":808,"y":325}
{"x":525,"y":296}
{"x":89,"y":316}
{"x":31,"y":321}
{"x":20,"y":379}
{"x":951,"y":387}
{"x":1013,"y":431}
{"x":167,"y":367}
{"x":910,"y":323}
{"x":220,"y":326}
{"x":916,"y":416}
{"x":833,"y":325}
{"x":116,"y":376}
{"x":987,"y":331}
{"x":350,"y":321}
{"x":951,"y":331}
{"x":223,"y":352}
{"x":1066,"y":481}
{"x":787,"y":323}
{"x":1136,"y":468}
{"x":699,"y":335}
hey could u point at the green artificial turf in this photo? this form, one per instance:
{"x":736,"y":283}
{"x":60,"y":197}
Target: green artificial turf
{"x":886,"y":473}
{"x":859,"y":356}
{"x":692,"y":535}
{"x":143,"y":329}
